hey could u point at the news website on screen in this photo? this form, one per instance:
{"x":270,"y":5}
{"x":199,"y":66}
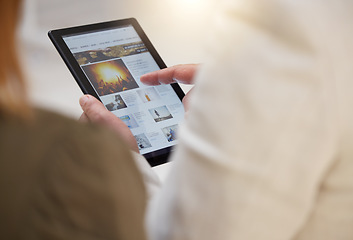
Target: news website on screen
{"x":113,"y":61}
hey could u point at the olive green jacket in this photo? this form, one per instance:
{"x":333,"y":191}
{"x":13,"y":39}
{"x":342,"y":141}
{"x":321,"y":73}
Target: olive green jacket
{"x":63,"y":180}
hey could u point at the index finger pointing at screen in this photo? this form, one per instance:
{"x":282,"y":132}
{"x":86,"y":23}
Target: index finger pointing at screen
{"x":179,"y":73}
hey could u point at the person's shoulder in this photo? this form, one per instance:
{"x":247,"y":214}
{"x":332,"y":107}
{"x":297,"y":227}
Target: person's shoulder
{"x":54,"y":162}
{"x":56,"y":124}
{"x":62,"y":129}
{"x":50,"y":135}
{"x":86,"y":148}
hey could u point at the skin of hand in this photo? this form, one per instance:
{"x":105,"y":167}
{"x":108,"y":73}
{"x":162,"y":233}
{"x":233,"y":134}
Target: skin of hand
{"x":94,"y":111}
{"x":183,"y":73}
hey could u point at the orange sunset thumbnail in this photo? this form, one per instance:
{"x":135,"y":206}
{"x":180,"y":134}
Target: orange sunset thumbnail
{"x":110,"y":77}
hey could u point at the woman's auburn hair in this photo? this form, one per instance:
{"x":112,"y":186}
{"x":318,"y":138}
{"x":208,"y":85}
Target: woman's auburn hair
{"x":13,"y":97}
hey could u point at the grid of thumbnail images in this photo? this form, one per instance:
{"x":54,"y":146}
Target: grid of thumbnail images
{"x":110,"y":77}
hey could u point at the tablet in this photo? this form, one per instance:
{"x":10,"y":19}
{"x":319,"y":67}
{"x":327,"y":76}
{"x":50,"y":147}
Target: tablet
{"x":107,"y":60}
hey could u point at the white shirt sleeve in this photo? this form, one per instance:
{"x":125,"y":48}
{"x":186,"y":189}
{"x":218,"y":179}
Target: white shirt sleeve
{"x":150,"y":178}
{"x":259,"y":136}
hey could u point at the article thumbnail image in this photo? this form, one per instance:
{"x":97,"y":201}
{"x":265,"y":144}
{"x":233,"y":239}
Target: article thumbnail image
{"x":142,"y":141}
{"x":130,"y":121}
{"x":148,"y":94}
{"x":116,"y":103}
{"x":170,"y":132}
{"x":160,"y":114}
{"x":110,"y":77}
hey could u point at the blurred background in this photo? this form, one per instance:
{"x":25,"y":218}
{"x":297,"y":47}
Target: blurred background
{"x":177,"y":28}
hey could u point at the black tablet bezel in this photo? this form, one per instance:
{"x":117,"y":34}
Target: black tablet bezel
{"x":56,"y":36}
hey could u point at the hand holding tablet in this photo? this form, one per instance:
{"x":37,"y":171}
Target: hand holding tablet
{"x":107,"y":60}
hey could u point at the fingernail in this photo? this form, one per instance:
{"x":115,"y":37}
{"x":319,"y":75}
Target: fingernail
{"x":83,"y":100}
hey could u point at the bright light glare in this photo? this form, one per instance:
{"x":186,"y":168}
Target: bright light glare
{"x":192,"y":1}
{"x":109,"y":72}
{"x":192,"y":6}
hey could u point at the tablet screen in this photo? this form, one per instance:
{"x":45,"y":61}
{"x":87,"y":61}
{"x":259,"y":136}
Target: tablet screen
{"x":113,"y":60}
